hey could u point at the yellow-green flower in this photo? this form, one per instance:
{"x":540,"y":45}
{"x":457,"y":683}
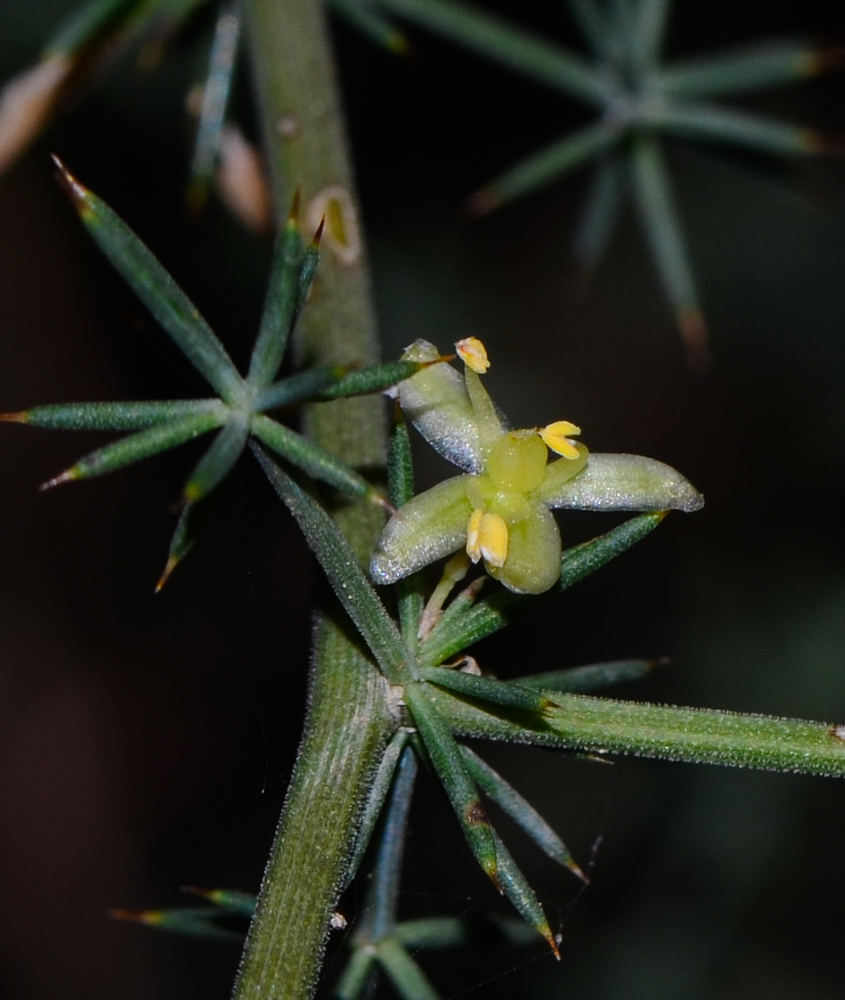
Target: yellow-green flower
{"x":500,"y":510}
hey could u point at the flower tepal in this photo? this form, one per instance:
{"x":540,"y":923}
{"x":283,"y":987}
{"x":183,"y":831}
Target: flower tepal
{"x":500,"y":509}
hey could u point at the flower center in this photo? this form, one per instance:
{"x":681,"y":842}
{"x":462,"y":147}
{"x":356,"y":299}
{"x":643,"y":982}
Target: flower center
{"x":517,"y":461}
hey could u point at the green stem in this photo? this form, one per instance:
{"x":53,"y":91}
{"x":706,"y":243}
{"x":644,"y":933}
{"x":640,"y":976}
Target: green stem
{"x":308,"y":151}
{"x":343,"y":741}
{"x":348,"y":722}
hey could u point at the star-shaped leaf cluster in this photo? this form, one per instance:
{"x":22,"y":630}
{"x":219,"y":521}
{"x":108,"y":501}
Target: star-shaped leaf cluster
{"x":241,"y":406}
{"x":640,"y":100}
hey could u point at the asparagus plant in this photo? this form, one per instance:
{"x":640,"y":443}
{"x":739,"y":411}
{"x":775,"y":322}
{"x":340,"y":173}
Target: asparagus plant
{"x":393,"y":679}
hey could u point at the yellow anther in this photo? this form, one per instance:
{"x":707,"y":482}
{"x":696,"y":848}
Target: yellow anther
{"x":493,"y":539}
{"x":555,"y":437}
{"x":473,"y":354}
{"x":473,"y":531}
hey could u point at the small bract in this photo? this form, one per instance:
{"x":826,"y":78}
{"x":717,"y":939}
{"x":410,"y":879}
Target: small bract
{"x":500,"y":510}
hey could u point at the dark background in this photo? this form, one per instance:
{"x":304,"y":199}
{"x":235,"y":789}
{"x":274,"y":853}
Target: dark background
{"x":145,"y":742}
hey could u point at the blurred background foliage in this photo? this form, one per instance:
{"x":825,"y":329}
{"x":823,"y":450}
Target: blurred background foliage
{"x":145,"y":741}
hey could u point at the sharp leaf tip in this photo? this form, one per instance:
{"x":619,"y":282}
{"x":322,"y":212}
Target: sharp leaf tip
{"x":136,"y":916}
{"x":76,"y":190}
{"x":578,"y":872}
{"x":63,"y":477}
{"x":172,"y":563}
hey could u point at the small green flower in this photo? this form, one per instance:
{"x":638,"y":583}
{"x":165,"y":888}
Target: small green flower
{"x":500,"y":510}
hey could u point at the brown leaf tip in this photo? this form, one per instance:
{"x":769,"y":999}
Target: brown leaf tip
{"x":332,"y":213}
{"x":150,"y":917}
{"x":578,"y":872}
{"x":77,"y":191}
{"x":172,"y":562}
{"x":553,"y":939}
{"x":318,"y":235}
{"x":15,"y":418}
{"x":838,"y":733}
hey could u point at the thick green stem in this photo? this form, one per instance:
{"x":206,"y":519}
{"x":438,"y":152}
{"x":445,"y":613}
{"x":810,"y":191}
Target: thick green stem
{"x":308,"y":151}
{"x":344,"y":737}
{"x":347,"y":723}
